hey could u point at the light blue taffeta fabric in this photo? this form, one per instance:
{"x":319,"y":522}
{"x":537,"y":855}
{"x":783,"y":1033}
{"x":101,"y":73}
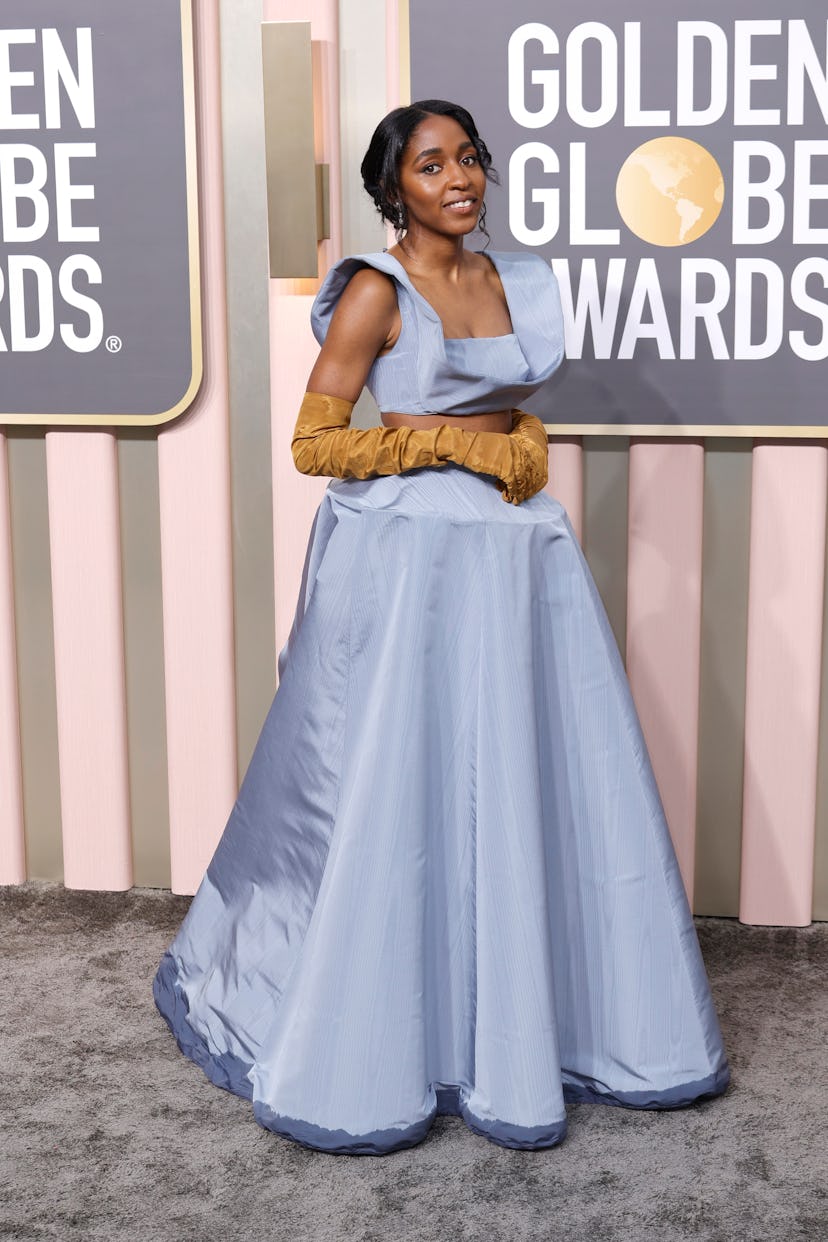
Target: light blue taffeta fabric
{"x":447,"y":884}
{"x":425,"y":373}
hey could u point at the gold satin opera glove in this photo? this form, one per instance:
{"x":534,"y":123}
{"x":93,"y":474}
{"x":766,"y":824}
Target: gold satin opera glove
{"x":325,"y":444}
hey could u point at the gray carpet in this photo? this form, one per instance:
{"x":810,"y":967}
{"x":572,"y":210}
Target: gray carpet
{"x":109,"y":1133}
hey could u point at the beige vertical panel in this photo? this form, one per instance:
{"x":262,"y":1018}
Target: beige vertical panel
{"x":12,"y":842}
{"x":248,"y":350}
{"x":606,"y":463}
{"x":194,"y":490}
{"x":398,"y":37}
{"x":35,"y":653}
{"x":362,"y":104}
{"x":722,"y":678}
{"x":84,"y":537}
{"x":784,"y":649}
{"x":144,"y":651}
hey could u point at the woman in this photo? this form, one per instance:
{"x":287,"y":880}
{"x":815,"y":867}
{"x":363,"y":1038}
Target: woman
{"x":447,"y":885}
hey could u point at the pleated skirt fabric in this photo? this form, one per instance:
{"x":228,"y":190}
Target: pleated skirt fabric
{"x":447,"y":885}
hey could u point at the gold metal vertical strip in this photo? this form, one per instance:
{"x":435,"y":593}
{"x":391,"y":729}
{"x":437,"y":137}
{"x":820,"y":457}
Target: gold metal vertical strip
{"x":405,"y":52}
{"x":727,"y":479}
{"x":144,"y":658}
{"x":606,"y":468}
{"x":248,"y":344}
{"x":287,"y":72}
{"x":35,"y":653}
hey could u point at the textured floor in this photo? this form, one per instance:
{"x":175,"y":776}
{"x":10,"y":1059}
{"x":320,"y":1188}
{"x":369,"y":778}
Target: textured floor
{"x":109,"y":1133}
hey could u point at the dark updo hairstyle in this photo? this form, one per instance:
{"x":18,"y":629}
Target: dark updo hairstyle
{"x":381,"y":166}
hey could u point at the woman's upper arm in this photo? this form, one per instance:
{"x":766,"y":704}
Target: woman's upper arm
{"x":362,"y":324}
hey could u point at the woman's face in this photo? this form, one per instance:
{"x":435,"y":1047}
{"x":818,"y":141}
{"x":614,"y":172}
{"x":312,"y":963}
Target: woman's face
{"x":441,"y":181}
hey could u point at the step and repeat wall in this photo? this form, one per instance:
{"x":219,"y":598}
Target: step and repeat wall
{"x":673,"y":169}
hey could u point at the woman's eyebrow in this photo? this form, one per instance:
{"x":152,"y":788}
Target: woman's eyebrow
{"x":439,"y":150}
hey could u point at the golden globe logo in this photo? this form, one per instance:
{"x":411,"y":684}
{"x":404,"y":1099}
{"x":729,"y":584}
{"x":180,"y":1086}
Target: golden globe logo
{"x":671,"y":192}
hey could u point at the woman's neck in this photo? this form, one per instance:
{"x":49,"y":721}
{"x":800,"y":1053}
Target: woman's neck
{"x":437,"y":255}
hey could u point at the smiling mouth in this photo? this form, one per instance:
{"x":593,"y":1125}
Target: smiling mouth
{"x":462,"y":204}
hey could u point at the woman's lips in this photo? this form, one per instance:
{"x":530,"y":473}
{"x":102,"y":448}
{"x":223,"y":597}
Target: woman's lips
{"x":462,"y":206}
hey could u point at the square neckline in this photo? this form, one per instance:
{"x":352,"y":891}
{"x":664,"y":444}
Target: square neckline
{"x":502,"y":336}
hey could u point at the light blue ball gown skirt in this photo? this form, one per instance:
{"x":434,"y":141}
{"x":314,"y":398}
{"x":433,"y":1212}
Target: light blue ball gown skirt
{"x":447,"y":885}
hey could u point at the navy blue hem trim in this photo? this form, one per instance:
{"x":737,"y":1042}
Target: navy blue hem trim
{"x":524,"y":1138}
{"x":225,"y":1070}
{"x":340,"y":1142}
{"x":232,"y":1074}
{"x":578,"y":1090}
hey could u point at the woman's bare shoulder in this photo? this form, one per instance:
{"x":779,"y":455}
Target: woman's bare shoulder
{"x":370,"y":290}
{"x":367,"y":310}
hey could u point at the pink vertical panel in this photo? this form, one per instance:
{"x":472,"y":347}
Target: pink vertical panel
{"x":666,"y":497}
{"x":566,"y":478}
{"x":196,"y":567}
{"x":85,"y":549}
{"x":785,"y":604}
{"x":12,"y":843}
{"x":293,"y":349}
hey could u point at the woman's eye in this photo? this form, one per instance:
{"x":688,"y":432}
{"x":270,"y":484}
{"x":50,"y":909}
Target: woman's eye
{"x":430,"y":168}
{"x":469,"y":159}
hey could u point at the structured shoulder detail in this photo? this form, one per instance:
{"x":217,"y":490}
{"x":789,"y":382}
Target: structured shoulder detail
{"x":531,"y":289}
{"x":338,"y":277}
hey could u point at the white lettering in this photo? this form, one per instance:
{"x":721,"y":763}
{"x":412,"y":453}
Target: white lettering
{"x":745,"y":73}
{"x":19,"y":265}
{"x":88,"y":306}
{"x":10,"y":78}
{"x":646,"y":290}
{"x":818,"y":350}
{"x":805,"y":192}
{"x":803,"y":62}
{"x":633,"y":112}
{"x":66,"y":192}
{"x":78,"y":86}
{"x":588,"y":308}
{"x":770,"y":299}
{"x":743,"y":190}
{"x":606,"y":78}
{"x":548,"y":198}
{"x":579,"y":234}
{"x":692,"y":308}
{"x":547,"y":79}
{"x":687,"y":35}
{"x":12,"y":191}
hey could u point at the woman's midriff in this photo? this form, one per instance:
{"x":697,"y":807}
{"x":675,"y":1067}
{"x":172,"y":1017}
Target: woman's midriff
{"x":499,"y":420}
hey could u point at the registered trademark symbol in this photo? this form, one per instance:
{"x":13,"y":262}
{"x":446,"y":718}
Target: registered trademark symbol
{"x":113,"y":344}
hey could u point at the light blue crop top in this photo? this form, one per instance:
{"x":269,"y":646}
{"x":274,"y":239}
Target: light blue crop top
{"x":427,"y":373}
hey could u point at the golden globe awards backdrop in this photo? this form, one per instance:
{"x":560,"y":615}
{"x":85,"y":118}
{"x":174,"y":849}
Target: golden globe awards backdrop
{"x":99,"y":287}
{"x":670,"y":160}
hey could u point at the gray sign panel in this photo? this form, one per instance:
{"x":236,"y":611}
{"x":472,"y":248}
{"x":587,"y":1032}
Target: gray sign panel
{"x":100,"y":318}
{"x":670,"y":159}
